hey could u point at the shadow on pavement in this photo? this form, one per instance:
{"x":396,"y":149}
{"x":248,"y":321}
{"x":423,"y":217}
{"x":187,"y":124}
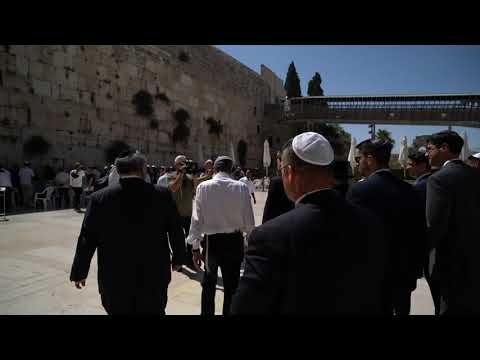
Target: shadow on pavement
{"x":198,"y":276}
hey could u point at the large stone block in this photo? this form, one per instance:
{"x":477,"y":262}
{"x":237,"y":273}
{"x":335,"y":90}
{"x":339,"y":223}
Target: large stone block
{"x":59,"y":59}
{"x":37,"y":70}
{"x":82,"y":83}
{"x":22,"y":65}
{"x":42,"y":87}
{"x":68,"y":94}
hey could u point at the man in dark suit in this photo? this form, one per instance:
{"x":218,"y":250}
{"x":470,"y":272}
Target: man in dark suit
{"x":453,"y":217}
{"x":128,"y":225}
{"x":399,"y":208}
{"x":324,"y":257}
{"x":419,"y":167}
{"x":277,"y":202}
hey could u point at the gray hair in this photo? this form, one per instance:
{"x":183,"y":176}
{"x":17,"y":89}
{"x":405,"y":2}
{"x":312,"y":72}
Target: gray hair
{"x":132,"y":162}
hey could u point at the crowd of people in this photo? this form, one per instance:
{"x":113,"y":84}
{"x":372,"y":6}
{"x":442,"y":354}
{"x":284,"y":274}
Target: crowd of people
{"x":323,"y":248}
{"x":72,"y":188}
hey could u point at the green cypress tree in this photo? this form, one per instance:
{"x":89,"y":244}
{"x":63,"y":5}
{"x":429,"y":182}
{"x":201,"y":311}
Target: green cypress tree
{"x":314,"y":86}
{"x":292,"y":82}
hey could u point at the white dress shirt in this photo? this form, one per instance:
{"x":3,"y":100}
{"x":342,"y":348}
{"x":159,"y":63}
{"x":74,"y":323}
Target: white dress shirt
{"x":222,"y":205}
{"x":249,"y":183}
{"x":78,"y":181}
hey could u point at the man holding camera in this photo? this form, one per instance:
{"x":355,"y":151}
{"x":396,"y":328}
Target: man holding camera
{"x":182,"y":184}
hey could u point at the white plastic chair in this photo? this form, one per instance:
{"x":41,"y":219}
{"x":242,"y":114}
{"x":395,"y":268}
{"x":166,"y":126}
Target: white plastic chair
{"x":45,"y":196}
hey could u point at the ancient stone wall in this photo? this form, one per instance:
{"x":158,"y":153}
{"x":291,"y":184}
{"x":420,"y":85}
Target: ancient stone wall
{"x":278,"y":92}
{"x":79,"y":98}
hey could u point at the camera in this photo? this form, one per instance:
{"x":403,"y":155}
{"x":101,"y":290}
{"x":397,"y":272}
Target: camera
{"x":189,"y":167}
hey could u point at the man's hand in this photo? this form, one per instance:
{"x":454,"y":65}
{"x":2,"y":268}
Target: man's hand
{"x":80,"y":284}
{"x":197,"y":260}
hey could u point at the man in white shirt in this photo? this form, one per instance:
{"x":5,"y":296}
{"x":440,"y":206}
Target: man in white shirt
{"x":76,"y":183}
{"x":248,"y":180}
{"x":26,"y":175}
{"x":6,"y":182}
{"x":62,"y":180}
{"x":223,"y":212}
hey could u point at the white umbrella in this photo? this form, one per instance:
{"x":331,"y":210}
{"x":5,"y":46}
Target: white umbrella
{"x":352,"y":153}
{"x":201,"y":158}
{"x":267,"y":160}
{"x":232,"y":151}
{"x":465,"y":150}
{"x":403,"y":154}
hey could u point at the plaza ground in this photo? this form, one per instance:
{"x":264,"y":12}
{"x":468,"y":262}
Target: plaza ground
{"x":36,"y":253}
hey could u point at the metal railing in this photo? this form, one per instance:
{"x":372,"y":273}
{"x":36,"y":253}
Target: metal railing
{"x":435,"y":109}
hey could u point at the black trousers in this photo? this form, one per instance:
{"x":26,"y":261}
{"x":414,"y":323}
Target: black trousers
{"x":136,"y":304}
{"x":224,"y":251}
{"x":185,"y":222}
{"x":63,"y":197}
{"x":76,"y":198}
{"x":397,"y":301}
{"x":434,"y":288}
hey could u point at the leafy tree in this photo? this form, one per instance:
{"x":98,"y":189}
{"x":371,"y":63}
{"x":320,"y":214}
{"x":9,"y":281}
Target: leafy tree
{"x":36,"y":145}
{"x":336,"y":135}
{"x":314,"y":86}
{"x":292,"y":82}
{"x":385,"y":135}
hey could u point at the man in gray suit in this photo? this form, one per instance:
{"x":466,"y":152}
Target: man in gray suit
{"x":453,"y":215}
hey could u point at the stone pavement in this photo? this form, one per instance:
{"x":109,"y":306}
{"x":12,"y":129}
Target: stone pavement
{"x":36,"y":253}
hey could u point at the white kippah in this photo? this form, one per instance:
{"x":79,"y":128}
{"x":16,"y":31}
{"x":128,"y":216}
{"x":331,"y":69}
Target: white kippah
{"x":476,"y":156}
{"x":313,"y":148}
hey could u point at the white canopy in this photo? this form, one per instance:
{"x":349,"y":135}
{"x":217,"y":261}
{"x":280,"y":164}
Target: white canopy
{"x":465,"y":150}
{"x":352,"y":153}
{"x":403,"y":154}
{"x":267,"y":160}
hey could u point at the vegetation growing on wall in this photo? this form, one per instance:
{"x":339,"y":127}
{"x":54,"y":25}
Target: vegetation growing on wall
{"x":183,"y":56}
{"x":181,"y":131}
{"x":36,"y":145}
{"x":163,"y":97}
{"x":216,"y":127}
{"x":181,"y":116}
{"x":242,"y":153}
{"x":153,"y":124}
{"x":143,"y":102}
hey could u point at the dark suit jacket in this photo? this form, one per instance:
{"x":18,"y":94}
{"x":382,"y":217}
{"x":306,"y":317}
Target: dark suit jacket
{"x":453,"y":216}
{"x":277,"y":202}
{"x":399,"y":208}
{"x":325,"y":257}
{"x":128,"y":225}
{"x":421,"y":187}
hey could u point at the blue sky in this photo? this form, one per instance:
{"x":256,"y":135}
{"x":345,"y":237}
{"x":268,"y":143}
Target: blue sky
{"x":376,"y":70}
